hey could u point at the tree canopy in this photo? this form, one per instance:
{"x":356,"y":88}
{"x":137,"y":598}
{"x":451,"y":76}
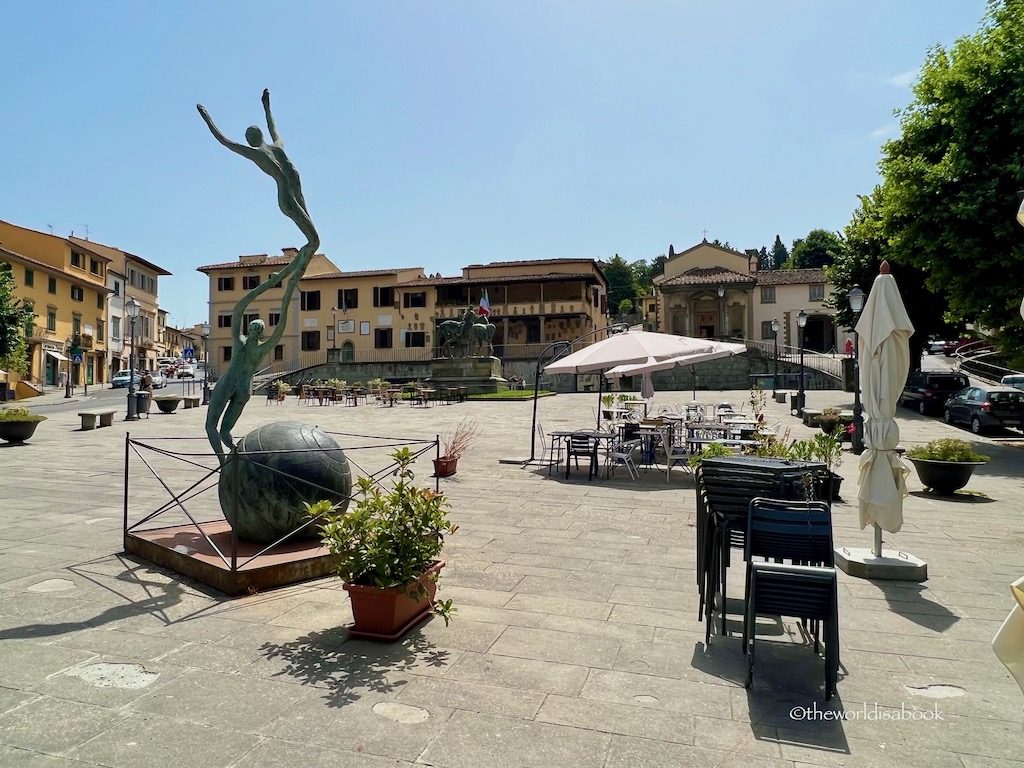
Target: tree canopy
{"x":950,"y":180}
{"x":14,"y":316}
{"x":619,"y":274}
{"x":820,"y":248}
{"x":778,"y":255}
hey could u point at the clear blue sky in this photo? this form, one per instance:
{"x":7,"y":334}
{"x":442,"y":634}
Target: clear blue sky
{"x":446,"y":133}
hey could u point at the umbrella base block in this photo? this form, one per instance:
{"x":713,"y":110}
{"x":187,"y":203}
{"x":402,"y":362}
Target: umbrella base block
{"x":862,"y":563}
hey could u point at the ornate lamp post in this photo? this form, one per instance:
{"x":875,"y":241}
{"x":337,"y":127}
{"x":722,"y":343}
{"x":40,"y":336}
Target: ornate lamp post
{"x":801,"y":321}
{"x":132,"y":308}
{"x":334,"y":323}
{"x":205,"y":330}
{"x":856,"y":299}
{"x":775,"y":354}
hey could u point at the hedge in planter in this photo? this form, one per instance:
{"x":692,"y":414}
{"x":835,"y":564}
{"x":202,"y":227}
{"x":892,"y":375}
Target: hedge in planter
{"x":946,"y":465}
{"x":388,"y":551}
{"x":18,"y":424}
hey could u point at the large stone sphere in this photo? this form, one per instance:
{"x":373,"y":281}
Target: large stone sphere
{"x":275,"y":469}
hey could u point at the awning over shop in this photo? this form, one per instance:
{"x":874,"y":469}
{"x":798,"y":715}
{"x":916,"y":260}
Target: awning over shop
{"x":56,"y":355}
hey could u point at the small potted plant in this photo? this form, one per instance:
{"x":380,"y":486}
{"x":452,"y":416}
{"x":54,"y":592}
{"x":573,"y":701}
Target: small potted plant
{"x":945,"y":466}
{"x":18,"y":424}
{"x":829,"y":421}
{"x":453,"y":445}
{"x":281,"y":389}
{"x":387,"y":551}
{"x":709,"y":451}
{"x":827,"y":449}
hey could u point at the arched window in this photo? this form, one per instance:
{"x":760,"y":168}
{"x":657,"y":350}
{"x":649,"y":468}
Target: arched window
{"x":348,"y":352}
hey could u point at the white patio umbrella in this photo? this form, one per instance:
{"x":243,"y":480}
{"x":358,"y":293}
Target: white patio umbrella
{"x":646,"y":368}
{"x":632,"y":348}
{"x":883,"y":332}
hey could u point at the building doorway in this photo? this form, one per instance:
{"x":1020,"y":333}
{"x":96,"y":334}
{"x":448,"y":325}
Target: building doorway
{"x":706,"y":325}
{"x":348,"y":352}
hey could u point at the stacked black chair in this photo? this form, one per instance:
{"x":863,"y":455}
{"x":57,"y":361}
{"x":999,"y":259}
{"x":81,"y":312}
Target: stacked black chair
{"x":725,"y":488}
{"x":806,"y":587}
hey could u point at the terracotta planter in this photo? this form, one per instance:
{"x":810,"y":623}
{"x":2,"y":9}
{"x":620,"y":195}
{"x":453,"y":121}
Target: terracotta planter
{"x":445,"y":466}
{"x":945,"y":477}
{"x":387,"y":614}
{"x":17,"y":431}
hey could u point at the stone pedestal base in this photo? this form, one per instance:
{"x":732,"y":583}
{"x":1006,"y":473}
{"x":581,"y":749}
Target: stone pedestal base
{"x":477,"y":374}
{"x":891,"y":566}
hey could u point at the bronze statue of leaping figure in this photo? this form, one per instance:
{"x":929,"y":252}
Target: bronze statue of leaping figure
{"x":233,"y":390}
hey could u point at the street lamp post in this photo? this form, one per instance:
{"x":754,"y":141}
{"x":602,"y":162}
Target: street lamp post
{"x":334,"y":323}
{"x":856,"y":299}
{"x":775,"y":354}
{"x":205,"y":329}
{"x":801,"y":321}
{"x":131,"y":308}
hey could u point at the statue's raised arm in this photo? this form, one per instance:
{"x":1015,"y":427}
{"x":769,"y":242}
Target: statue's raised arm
{"x":241,"y":149}
{"x":270,"y":118}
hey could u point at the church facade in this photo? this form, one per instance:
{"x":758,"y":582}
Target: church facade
{"x":715,"y":292}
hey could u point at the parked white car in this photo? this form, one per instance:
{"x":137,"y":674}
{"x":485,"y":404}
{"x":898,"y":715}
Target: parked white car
{"x":186,"y":371}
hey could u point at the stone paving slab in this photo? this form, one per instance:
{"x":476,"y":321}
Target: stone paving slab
{"x":576,"y":642}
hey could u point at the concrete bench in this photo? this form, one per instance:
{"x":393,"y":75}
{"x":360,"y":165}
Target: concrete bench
{"x":191,"y":401}
{"x":167,"y":403}
{"x":810,"y":417}
{"x":106,"y":419}
{"x":781,"y":395}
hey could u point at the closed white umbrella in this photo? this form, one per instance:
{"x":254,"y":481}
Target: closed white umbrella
{"x":883,"y":333}
{"x":631,"y":348}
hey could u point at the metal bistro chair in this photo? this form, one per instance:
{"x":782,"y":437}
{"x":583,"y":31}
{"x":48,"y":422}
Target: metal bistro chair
{"x":620,"y":453}
{"x":551,"y":450}
{"x":806,"y":588}
{"x":582,"y":444}
{"x":674,"y":453}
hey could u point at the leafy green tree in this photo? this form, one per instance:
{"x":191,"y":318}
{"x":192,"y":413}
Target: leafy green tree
{"x":658,"y":265}
{"x":818,"y":249}
{"x":626,"y":307}
{"x":14,"y":316}
{"x":620,"y":281}
{"x":866,"y":247}
{"x":950,"y":179}
{"x":778,"y":255}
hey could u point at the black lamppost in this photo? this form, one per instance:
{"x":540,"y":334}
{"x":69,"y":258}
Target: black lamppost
{"x":801,"y":321}
{"x":204,"y":328}
{"x":856,"y":299}
{"x":334,"y":333}
{"x":132,"y":308}
{"x":775,"y":354}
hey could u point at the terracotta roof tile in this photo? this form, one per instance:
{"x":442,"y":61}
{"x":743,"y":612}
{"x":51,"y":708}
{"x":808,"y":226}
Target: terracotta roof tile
{"x":791,"y":276}
{"x":360,"y":273}
{"x":707,"y":276}
{"x":547,"y":277}
{"x":112,"y":253}
{"x":527,"y":262}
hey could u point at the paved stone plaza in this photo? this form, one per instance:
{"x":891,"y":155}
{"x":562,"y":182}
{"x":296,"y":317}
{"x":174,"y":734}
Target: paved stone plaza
{"x":576,"y":641}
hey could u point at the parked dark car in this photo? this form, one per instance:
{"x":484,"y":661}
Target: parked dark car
{"x":986,"y":407}
{"x":927,"y":391}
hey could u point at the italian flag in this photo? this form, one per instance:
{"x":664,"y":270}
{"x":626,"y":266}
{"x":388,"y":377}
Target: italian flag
{"x":485,"y":305}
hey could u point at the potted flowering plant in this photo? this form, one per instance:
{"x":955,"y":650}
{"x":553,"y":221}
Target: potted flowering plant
{"x":387,"y":552}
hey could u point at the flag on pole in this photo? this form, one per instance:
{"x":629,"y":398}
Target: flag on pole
{"x":485,"y":305}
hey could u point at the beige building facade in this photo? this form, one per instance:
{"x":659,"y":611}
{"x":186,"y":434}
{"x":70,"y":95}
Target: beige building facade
{"x":65,"y":284}
{"x":392,"y":314}
{"x":715,"y":292}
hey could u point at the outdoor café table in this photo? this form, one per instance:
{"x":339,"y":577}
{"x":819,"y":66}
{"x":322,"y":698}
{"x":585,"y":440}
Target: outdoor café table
{"x":323,"y":395}
{"x":425,"y":396}
{"x":650,"y":436}
{"x":566,"y":437}
{"x":700,"y":433}
{"x":635,"y":405}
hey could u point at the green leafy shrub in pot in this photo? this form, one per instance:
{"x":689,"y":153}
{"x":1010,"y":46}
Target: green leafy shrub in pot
{"x":392,"y":536}
{"x":710,"y":451}
{"x":20,"y":414}
{"x":947,"y":449}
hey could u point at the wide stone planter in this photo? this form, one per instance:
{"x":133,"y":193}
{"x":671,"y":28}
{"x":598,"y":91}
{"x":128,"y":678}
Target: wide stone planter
{"x":826,"y":487}
{"x":17,"y":431}
{"x":945,"y":477}
{"x":387,"y":614}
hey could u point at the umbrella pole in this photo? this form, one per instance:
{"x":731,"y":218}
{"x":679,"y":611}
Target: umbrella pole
{"x":878,"y":541}
{"x":600,"y":382}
